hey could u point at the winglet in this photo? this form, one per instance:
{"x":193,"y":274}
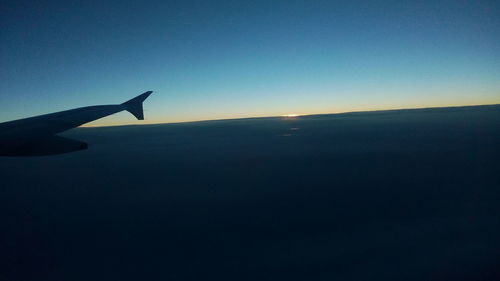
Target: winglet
{"x":134,"y":105}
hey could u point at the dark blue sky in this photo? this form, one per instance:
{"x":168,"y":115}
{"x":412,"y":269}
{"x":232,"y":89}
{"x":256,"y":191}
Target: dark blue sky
{"x":227,"y":59}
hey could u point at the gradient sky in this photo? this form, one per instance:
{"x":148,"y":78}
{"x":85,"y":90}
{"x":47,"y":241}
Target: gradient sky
{"x":230,"y":59}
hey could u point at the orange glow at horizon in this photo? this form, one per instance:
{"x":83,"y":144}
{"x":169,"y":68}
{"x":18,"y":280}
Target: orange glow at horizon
{"x":123,"y":119}
{"x":291,"y":115}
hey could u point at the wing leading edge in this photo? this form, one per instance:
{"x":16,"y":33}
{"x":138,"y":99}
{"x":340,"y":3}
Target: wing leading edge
{"x":36,"y":136}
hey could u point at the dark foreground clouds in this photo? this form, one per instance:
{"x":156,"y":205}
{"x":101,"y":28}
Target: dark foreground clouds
{"x":398,"y":195}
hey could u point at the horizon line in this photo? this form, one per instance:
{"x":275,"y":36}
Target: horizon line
{"x":291,"y":117}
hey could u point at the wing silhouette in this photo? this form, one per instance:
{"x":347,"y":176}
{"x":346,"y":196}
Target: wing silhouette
{"x":36,"y":136}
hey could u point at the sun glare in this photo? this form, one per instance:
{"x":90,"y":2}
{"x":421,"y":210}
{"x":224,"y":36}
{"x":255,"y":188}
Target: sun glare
{"x":290,"y":115}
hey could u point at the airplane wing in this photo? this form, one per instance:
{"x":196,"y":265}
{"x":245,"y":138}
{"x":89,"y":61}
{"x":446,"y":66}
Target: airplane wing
{"x":36,"y":136}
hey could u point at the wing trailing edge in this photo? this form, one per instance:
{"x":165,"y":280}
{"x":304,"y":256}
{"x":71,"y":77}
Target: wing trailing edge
{"x":134,"y":105}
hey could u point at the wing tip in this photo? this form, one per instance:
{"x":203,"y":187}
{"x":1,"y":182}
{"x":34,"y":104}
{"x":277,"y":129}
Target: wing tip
{"x":134,"y":105}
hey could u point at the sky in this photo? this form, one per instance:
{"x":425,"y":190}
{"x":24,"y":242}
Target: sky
{"x":230,"y":59}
